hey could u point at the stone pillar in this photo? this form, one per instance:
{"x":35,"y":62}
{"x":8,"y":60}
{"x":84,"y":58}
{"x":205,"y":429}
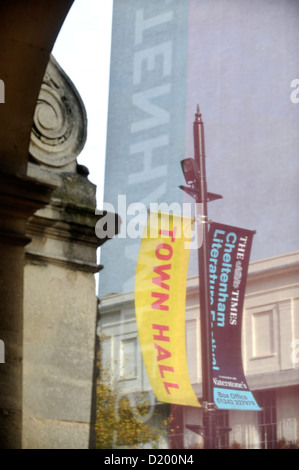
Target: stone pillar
{"x":20,"y":197}
{"x":60,"y":315}
{"x":60,"y":303}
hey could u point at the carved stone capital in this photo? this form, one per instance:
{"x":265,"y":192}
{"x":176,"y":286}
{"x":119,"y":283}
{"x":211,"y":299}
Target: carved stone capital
{"x":59,"y":126}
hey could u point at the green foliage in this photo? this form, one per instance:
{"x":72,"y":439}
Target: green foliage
{"x":235,"y":445}
{"x":284,"y":444}
{"x":118,"y":424}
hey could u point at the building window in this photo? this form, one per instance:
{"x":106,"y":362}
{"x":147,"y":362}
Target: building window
{"x":222,"y":429}
{"x":267,"y":422}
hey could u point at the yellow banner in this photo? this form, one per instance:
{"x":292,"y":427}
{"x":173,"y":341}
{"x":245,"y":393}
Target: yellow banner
{"x":160,"y":296}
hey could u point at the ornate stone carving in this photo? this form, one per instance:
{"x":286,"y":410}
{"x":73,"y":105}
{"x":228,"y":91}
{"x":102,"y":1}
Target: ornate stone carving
{"x":59,"y":127}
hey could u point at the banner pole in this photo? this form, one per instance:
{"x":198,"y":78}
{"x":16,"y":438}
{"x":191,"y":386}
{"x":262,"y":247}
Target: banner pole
{"x":209,"y":408}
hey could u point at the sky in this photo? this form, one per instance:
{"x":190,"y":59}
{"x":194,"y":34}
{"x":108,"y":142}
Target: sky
{"x":82,"y":49}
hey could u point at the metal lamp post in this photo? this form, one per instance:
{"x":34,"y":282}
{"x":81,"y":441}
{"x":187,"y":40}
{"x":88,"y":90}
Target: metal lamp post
{"x":195,"y":176}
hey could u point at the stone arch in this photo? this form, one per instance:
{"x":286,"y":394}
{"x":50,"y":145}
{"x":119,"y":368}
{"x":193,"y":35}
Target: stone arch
{"x":28,"y":31}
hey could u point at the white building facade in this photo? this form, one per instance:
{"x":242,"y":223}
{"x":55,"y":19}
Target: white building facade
{"x":270,"y":350}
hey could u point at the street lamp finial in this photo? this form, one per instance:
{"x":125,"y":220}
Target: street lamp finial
{"x":198,"y":114}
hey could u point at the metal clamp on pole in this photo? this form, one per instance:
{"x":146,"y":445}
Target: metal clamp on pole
{"x":209,"y":406}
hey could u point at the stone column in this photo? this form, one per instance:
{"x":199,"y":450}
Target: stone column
{"x":60,"y":303}
{"x":20,"y":197}
{"x":60,"y":316}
